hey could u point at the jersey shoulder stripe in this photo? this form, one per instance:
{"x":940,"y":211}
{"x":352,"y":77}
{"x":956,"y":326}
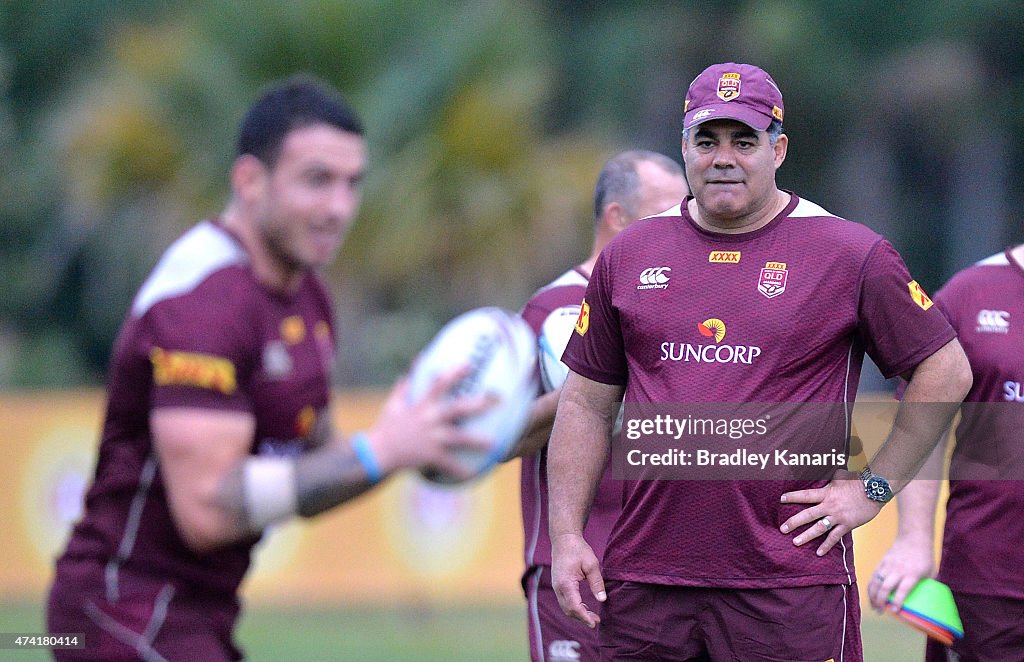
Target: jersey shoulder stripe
{"x":568,"y":279}
{"x":195,"y":255}
{"x":671,"y":211}
{"x":997,"y":260}
{"x":806,"y":209}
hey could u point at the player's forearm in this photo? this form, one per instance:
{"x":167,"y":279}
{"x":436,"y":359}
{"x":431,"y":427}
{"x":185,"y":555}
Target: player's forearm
{"x":260,"y":491}
{"x":931,"y":400}
{"x":577,"y":454}
{"x":916,"y":504}
{"x":917,"y":501}
{"x":331,"y":476}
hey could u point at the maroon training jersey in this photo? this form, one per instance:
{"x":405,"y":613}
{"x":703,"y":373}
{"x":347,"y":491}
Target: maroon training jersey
{"x":561,"y":297}
{"x":202,"y":332}
{"x":781,"y":314}
{"x":982,"y":549}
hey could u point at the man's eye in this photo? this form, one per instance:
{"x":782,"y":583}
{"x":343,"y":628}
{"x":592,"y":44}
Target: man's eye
{"x":318,"y":178}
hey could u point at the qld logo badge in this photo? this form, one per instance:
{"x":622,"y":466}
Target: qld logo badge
{"x":773,"y":278}
{"x":728,"y":87}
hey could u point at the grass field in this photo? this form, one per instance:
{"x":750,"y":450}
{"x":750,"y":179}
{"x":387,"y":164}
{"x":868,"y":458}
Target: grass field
{"x":492,"y":634}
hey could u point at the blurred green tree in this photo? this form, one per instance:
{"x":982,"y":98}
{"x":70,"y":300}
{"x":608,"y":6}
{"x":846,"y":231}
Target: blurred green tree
{"x":487,"y":121}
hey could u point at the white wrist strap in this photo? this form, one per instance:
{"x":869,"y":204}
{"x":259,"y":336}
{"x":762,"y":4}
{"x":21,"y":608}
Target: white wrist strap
{"x":268,"y":484}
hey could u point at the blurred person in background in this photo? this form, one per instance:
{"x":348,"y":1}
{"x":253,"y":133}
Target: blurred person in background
{"x":703,"y":569}
{"x":631,"y":185}
{"x":218,"y":420}
{"x":982,"y":552}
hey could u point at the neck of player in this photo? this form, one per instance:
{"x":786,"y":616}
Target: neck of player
{"x":739,"y":224}
{"x":271,"y":270}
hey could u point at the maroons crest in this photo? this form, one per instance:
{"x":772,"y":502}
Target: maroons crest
{"x":773,"y":279}
{"x":728,"y":86}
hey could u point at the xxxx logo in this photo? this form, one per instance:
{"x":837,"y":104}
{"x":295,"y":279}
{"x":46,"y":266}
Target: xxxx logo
{"x":918,"y":295}
{"x":583,"y":321}
{"x":724,"y":257}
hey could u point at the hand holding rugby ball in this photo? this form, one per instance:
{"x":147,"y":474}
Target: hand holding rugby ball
{"x":500,"y":350}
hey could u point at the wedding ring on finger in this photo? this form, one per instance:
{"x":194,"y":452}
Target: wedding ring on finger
{"x":824,"y":521}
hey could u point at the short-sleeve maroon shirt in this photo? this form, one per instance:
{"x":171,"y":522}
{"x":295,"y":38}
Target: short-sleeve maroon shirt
{"x":785,"y":313}
{"x":202,"y":332}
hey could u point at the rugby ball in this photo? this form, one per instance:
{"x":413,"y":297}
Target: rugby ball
{"x":500,"y":349}
{"x":554,"y":336}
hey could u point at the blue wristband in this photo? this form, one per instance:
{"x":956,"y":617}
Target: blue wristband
{"x":361,"y":445}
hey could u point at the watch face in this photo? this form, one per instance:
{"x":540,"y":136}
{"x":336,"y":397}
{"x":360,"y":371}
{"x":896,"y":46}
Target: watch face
{"x":878,"y":489}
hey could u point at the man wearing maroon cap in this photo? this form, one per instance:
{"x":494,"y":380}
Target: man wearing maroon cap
{"x":745,"y":294}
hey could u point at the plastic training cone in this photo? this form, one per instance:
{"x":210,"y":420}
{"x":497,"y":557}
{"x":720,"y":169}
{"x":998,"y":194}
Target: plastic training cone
{"x":936,"y":632}
{"x":930,"y":607}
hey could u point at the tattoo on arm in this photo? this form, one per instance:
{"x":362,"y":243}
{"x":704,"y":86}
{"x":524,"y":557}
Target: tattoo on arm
{"x":316,"y":481}
{"x":327,"y":477}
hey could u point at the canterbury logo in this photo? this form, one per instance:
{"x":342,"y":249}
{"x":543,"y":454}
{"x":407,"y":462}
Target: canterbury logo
{"x":564,"y":650}
{"x":653,"y":278}
{"x":993,"y":321}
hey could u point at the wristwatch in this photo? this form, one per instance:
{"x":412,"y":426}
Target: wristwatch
{"x":875,"y":487}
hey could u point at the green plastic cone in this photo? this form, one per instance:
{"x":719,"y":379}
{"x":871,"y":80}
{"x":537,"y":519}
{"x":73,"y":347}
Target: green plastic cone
{"x":933,"y":601}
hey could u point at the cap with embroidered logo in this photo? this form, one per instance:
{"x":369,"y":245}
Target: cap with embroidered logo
{"x":740,"y":92}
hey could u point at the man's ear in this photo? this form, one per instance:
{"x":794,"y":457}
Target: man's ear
{"x":615,"y":216}
{"x":781,"y":147}
{"x":248,"y":177}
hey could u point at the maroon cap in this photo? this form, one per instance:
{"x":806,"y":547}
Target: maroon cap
{"x":733,"y":91}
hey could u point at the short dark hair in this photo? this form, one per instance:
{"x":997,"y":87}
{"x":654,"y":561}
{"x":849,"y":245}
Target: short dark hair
{"x":293,"y":103}
{"x":619,"y":181}
{"x":774,"y":130}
